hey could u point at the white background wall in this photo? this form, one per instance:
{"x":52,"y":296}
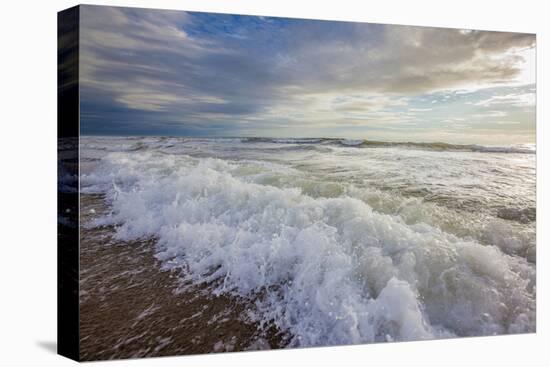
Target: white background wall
{"x":28,"y":181}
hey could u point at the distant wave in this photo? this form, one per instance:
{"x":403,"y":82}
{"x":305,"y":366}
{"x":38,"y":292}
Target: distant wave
{"x":364,"y":143}
{"x":440,"y":146}
{"x":166,"y":142}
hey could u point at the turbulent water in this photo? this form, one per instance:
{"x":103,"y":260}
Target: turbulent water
{"x":335,"y":241}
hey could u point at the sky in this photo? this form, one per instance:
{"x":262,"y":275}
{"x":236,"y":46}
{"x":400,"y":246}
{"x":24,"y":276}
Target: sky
{"x":175,"y":73}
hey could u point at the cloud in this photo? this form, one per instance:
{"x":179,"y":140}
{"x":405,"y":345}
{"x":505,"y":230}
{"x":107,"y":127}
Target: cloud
{"x":368,"y":103}
{"x":211,"y":73}
{"x":488,"y":114}
{"x":514,"y":99}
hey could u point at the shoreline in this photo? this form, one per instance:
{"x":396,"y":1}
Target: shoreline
{"x":130,"y":307}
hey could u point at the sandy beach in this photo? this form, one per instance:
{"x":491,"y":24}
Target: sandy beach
{"x":129,"y":308}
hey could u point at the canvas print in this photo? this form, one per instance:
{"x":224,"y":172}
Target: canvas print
{"x":237,"y":183}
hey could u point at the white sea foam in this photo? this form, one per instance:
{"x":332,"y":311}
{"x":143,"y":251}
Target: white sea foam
{"x":319,"y":261}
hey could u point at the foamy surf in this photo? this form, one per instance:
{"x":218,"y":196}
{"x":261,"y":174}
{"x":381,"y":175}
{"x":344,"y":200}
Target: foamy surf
{"x":333,"y":247}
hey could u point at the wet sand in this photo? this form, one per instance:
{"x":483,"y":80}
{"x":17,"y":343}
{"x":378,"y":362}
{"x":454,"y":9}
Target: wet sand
{"x":130,"y":308}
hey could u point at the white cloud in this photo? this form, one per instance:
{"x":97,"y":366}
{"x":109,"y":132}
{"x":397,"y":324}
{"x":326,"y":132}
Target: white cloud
{"x":513,"y":99}
{"x":489,"y":114}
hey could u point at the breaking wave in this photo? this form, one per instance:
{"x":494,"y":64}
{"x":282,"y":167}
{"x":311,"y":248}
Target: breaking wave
{"x":327,"y":269}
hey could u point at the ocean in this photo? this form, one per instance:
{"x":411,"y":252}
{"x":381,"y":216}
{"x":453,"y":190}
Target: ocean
{"x":333,"y":241}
